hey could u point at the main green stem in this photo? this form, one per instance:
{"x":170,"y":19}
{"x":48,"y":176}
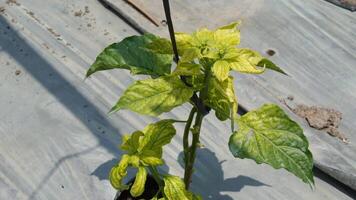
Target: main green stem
{"x":190,"y":152}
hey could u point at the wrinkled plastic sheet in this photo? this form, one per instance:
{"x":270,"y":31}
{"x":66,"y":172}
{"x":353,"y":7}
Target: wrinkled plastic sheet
{"x":57,"y":141}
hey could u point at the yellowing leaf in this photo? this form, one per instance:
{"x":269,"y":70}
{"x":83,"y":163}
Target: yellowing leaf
{"x":202,"y":37}
{"x":151,"y":161}
{"x":227,"y":35}
{"x":139,"y":185}
{"x":174,"y":188}
{"x":157,"y":135}
{"x":184,"y":41}
{"x":221,"y":70}
{"x":247,"y":62}
{"x":154,"y":96}
{"x":267,"y":135}
{"x":118,"y":172}
{"x":190,"y":54}
{"x":187,"y":69}
{"x":221,"y":98}
{"x":131,"y":143}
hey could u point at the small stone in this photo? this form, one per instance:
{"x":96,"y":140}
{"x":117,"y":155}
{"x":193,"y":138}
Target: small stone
{"x":270,"y":52}
{"x":78,"y":13}
{"x":164,"y":23}
{"x":290,"y":98}
{"x":17,"y":72}
{"x":2,"y":9}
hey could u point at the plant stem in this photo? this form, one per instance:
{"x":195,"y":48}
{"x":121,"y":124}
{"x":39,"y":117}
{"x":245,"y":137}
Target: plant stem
{"x":188,"y":170}
{"x":186,"y":135}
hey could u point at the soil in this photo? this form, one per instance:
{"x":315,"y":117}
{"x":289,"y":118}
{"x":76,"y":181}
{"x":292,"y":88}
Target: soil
{"x":151,"y":188}
{"x":321,"y":118}
{"x":10,"y":2}
{"x":270,"y":52}
{"x":350,"y":2}
{"x":2,"y":9}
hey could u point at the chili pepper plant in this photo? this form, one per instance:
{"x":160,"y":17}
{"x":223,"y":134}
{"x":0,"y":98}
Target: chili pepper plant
{"x":202,"y":78}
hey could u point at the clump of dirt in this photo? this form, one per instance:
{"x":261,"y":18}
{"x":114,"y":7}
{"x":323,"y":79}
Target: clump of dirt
{"x":2,"y":9}
{"x":351,"y":2}
{"x":80,"y":13}
{"x":17,"y":72}
{"x":321,"y":118}
{"x":86,"y":10}
{"x":11,"y":2}
{"x":270,"y":52}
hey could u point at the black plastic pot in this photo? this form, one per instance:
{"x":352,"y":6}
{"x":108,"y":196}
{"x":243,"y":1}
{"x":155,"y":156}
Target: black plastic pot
{"x":151,"y":189}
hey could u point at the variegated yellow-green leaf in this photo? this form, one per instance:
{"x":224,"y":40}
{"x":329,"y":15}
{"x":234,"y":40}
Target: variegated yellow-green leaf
{"x":184,"y":41}
{"x":202,"y":37}
{"x":174,"y":188}
{"x":221,"y":98}
{"x":227,"y":35}
{"x":139,"y":185}
{"x":190,"y":54}
{"x":193,"y":196}
{"x":247,"y":62}
{"x":161,"y":46}
{"x":132,"y":54}
{"x":265,"y":63}
{"x":154,"y":96}
{"x":157,"y":135}
{"x":221,"y":70}
{"x":197,"y":81}
{"x":131,"y":143}
{"x":118,"y":172}
{"x":187,"y":69}
{"x":267,"y":135}
{"x":151,"y":161}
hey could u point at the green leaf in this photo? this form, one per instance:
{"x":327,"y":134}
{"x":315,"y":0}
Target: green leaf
{"x":131,"y":143}
{"x":154,"y":96}
{"x":232,"y":26}
{"x":267,"y":135}
{"x":270,"y":65}
{"x":174,"y":188}
{"x":221,"y":98}
{"x":221,"y":70}
{"x":139,"y":185}
{"x":151,"y":161}
{"x":247,"y":61}
{"x":197,"y":82}
{"x":157,"y":135}
{"x":118,"y":172}
{"x":161,"y":46}
{"x":132,"y":54}
{"x":190,"y":54}
{"x":187,"y":69}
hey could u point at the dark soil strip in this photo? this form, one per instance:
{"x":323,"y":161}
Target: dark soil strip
{"x":347,"y":4}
